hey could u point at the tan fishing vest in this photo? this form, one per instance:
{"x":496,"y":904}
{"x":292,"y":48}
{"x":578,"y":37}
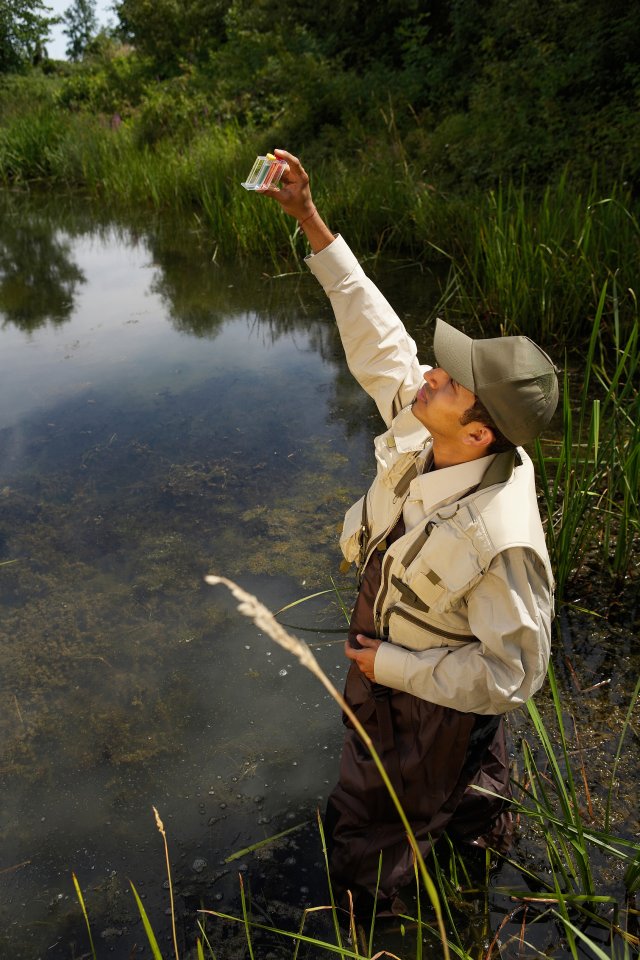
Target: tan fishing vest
{"x":428,"y":572}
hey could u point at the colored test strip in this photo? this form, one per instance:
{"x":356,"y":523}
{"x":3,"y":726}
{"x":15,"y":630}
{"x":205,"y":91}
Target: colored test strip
{"x":265,"y":172}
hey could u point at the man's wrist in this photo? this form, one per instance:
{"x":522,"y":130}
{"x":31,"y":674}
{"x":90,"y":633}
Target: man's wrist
{"x":306,"y":217}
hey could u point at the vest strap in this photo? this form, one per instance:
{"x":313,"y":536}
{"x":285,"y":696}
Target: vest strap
{"x":408,"y":595}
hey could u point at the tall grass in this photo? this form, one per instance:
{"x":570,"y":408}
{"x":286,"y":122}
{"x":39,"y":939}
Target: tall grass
{"x":537,"y":265}
{"x":590,"y":478}
{"x":550,"y":798}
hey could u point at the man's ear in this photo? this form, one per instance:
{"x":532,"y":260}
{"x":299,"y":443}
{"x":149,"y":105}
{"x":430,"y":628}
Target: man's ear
{"x":478,"y":434}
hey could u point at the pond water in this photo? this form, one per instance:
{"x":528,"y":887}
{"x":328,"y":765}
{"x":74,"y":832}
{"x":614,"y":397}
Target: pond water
{"x":163,"y":417}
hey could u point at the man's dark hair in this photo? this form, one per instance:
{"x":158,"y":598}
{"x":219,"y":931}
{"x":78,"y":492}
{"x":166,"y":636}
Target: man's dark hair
{"x":478,"y":411}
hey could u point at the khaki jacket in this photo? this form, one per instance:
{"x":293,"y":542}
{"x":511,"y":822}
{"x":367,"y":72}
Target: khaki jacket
{"x":466,"y":596}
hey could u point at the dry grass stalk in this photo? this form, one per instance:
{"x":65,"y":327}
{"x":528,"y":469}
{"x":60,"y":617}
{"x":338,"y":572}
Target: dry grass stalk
{"x":160,"y":826}
{"x":251,"y":607}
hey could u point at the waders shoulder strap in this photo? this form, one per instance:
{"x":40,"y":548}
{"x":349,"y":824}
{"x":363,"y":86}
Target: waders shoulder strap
{"x":402,"y":486}
{"x":500,"y":468}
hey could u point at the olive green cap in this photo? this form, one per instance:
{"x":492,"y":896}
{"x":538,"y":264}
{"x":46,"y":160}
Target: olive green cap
{"x":514,"y":379}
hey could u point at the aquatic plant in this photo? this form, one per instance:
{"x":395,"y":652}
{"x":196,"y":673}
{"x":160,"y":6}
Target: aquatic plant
{"x":590,"y":478}
{"x":84,"y":914}
{"x":535,"y":265}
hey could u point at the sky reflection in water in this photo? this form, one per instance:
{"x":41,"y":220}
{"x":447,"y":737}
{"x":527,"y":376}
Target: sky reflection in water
{"x":138,"y":454}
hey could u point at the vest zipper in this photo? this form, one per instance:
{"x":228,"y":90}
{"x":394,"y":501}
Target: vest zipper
{"x":401,"y":490}
{"x":382,"y":592}
{"x":463,"y":638}
{"x":384,"y":580}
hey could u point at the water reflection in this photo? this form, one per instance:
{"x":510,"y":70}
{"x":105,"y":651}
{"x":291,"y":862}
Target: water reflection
{"x":38,"y":277}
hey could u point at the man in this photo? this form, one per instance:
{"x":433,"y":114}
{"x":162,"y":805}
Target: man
{"x":451,"y":626}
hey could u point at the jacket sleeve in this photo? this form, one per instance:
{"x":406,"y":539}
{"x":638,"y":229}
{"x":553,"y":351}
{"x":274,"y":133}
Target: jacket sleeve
{"x":380,"y":353}
{"x":510,"y":612}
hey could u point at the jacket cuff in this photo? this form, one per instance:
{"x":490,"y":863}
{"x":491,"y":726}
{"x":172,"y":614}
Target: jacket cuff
{"x":389,"y":665}
{"x":332,"y":265}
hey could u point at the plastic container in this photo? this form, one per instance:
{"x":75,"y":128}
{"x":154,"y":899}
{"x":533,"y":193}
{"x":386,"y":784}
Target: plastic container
{"x":265,"y":172}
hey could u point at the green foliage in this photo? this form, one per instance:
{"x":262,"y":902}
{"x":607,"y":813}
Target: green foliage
{"x":80,"y":27}
{"x":172,"y":31}
{"x":590,"y":479}
{"x":478,"y":91}
{"x":171,"y":110}
{"x":503,"y":85}
{"x":20,"y":94}
{"x":535,"y":264}
{"x":354,"y":35}
{"x":24,"y":28}
{"x":111,"y":82}
{"x":28,"y":138}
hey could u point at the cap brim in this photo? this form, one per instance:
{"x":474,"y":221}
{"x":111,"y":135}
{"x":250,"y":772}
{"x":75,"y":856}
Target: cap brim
{"x":452,"y":350}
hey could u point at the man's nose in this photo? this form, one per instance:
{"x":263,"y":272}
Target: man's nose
{"x":433,"y":377}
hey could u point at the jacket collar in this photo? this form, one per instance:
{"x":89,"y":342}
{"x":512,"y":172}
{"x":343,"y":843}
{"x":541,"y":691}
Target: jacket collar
{"x":408,"y":433}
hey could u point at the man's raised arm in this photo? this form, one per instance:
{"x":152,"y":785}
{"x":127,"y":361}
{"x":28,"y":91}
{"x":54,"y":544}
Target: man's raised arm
{"x":380,"y":353}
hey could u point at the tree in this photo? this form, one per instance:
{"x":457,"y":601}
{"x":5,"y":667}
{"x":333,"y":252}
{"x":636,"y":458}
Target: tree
{"x":172,"y":31}
{"x":24,"y":29}
{"x":81,"y":27}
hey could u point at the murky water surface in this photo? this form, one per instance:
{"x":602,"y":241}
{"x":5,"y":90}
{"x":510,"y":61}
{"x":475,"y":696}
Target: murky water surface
{"x":163,"y":417}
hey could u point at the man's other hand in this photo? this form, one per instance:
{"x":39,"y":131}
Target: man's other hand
{"x":364,"y":658}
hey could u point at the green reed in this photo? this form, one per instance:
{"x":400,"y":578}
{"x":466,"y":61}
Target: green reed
{"x":146,"y":923}
{"x":567,"y":849}
{"x":84,"y":914}
{"x":535,"y":264}
{"x":590,"y":478}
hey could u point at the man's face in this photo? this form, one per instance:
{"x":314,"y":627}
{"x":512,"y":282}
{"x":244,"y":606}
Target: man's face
{"x":440,"y":403}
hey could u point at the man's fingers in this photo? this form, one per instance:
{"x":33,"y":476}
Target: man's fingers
{"x":295,"y":168}
{"x":367,"y":641}
{"x":289,"y":157}
{"x":269,"y":192}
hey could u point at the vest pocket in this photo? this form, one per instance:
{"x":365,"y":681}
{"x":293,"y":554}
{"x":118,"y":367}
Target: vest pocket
{"x":408,"y":629}
{"x":352,"y":531}
{"x":428,"y":588}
